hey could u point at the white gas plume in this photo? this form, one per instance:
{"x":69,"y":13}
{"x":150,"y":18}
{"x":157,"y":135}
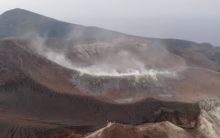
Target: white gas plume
{"x":118,"y":57}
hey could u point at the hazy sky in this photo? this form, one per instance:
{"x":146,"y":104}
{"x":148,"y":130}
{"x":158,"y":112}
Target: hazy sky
{"x":197,"y":20}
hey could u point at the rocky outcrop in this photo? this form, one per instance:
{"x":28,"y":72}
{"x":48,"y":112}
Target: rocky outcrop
{"x":163,"y":129}
{"x":209,"y":119}
{"x":207,"y":125}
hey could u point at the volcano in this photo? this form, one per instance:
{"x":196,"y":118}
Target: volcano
{"x":59,"y":79}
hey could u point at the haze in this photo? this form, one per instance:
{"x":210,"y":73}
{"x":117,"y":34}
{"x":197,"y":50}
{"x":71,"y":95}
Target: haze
{"x":196,"y":20}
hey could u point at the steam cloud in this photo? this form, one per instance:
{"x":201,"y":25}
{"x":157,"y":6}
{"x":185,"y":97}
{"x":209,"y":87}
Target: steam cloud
{"x":117,"y":57}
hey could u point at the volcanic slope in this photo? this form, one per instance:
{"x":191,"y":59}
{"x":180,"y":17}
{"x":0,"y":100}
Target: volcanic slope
{"x":32,"y":108}
{"x":192,"y":68}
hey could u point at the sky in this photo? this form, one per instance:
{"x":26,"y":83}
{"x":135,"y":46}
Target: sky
{"x":196,"y":20}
